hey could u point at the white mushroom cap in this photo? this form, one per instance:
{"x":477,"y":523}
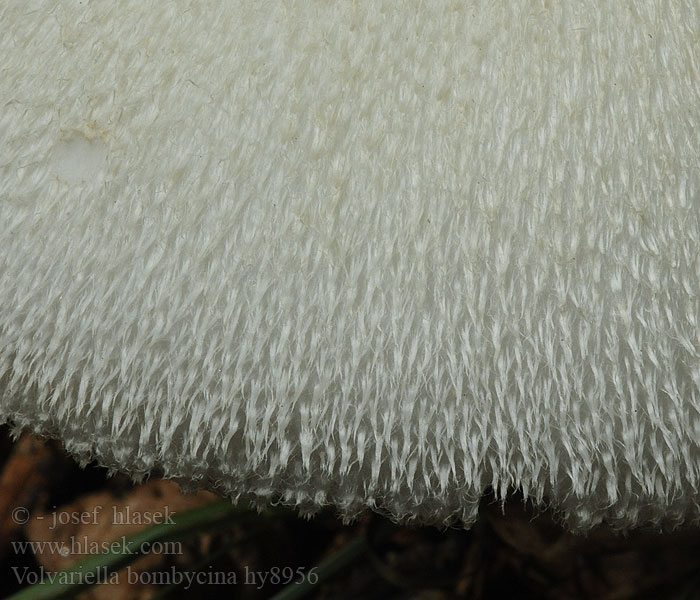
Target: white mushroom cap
{"x":359,"y":253}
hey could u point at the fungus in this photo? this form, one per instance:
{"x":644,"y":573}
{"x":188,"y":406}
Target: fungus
{"x":360,"y":254}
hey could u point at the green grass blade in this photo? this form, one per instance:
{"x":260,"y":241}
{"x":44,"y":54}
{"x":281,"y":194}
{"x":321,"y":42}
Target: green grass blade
{"x":344,"y":557}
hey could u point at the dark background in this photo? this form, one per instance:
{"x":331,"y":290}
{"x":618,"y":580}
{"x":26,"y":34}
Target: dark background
{"x":514,"y":551}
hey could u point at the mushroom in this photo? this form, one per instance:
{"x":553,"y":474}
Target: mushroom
{"x":359,"y":254}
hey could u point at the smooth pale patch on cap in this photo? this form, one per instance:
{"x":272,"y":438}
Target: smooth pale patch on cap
{"x":76,"y":159}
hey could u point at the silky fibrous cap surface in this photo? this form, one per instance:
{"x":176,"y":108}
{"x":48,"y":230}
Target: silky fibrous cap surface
{"x":360,"y":253}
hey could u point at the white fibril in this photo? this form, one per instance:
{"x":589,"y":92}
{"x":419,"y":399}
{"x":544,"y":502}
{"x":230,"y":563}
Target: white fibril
{"x":370,"y":253}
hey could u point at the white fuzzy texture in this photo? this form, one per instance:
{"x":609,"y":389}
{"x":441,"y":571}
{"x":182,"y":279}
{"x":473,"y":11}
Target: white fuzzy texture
{"x":367,"y":253}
